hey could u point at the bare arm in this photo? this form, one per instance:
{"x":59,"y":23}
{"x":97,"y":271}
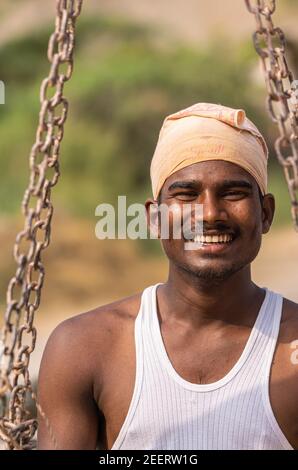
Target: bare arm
{"x":284,"y":374}
{"x":65,"y":392}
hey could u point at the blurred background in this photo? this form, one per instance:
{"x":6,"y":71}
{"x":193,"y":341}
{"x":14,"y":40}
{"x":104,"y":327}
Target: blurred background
{"x":135,"y":62}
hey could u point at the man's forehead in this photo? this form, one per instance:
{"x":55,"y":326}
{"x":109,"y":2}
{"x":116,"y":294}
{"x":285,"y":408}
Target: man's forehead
{"x":214,"y":171}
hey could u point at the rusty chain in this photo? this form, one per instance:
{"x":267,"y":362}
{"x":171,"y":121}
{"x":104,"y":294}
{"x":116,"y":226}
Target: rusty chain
{"x":282,"y":102}
{"x":16,"y":430}
{"x":24,"y":289}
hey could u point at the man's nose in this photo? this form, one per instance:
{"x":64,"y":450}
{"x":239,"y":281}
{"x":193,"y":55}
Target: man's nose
{"x":213,"y":209}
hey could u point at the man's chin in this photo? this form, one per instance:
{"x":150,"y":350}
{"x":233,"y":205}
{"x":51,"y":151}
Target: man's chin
{"x":211,"y":275}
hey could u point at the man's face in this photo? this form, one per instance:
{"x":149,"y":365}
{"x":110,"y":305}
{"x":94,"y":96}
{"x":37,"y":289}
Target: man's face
{"x":231,"y":207}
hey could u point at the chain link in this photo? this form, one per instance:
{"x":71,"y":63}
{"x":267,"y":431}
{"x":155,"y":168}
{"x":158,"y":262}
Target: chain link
{"x":24,"y":289}
{"x":282,"y":100}
{"x":23,"y":294}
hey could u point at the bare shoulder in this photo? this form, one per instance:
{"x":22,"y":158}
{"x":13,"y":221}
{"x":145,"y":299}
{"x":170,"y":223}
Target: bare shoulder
{"x":289,"y":321}
{"x":87,"y":337}
{"x":286,"y":355}
{"x":82,"y":347}
{"x":284,"y":373}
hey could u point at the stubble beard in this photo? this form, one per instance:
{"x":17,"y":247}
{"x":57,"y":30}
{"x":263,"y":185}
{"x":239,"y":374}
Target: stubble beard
{"x":211,"y":276}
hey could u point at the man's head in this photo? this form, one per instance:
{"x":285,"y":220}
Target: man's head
{"x":220,"y":162}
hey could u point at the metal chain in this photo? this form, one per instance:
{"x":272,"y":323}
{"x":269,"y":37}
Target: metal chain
{"x":282,"y":102}
{"x":24,"y":289}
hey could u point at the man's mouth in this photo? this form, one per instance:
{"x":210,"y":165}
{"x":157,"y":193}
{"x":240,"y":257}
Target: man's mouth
{"x":205,"y":239}
{"x":210,"y":243}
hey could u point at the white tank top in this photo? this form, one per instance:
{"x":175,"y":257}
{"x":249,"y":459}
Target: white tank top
{"x":167,"y":412}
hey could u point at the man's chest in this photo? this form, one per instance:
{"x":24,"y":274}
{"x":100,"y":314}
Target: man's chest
{"x":196,"y":364}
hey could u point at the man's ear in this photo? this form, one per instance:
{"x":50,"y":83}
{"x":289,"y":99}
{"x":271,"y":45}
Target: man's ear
{"x":268,"y":210}
{"x":151,"y":206}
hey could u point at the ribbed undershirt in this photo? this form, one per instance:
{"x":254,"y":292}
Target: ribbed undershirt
{"x":169,"y":413}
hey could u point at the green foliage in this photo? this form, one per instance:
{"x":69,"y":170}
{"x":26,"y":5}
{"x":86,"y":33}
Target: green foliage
{"x":123,"y":86}
{"x":278,"y":187}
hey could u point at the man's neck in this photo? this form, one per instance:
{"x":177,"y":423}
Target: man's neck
{"x":234,"y":300}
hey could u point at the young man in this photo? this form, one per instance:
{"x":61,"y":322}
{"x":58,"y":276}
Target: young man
{"x":204,"y":360}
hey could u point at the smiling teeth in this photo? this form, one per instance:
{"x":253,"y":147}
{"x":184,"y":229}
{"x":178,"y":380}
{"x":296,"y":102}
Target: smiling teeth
{"x":212,"y":238}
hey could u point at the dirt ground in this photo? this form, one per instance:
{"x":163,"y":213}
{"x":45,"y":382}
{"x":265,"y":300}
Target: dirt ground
{"x":83,"y":272}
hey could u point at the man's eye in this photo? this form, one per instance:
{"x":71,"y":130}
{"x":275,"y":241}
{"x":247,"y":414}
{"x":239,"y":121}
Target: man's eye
{"x":185,"y":195}
{"x":235,"y":194}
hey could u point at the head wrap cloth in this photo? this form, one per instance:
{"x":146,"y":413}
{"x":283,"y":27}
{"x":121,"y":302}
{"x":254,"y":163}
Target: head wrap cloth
{"x":208,"y":132}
